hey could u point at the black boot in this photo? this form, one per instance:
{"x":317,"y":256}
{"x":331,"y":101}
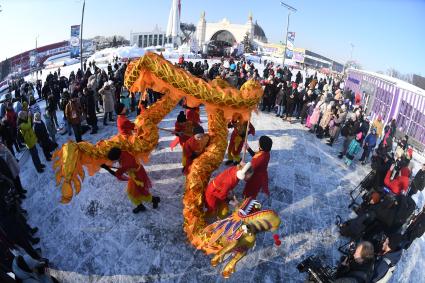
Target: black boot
{"x":155,"y":202}
{"x":35,"y":241}
{"x":139,"y":208}
{"x":228,"y":162}
{"x":33,"y":230}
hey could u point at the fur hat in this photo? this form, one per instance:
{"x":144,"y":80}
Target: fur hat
{"x":181,"y":117}
{"x":266,"y":143}
{"x":119,"y":108}
{"x":198,"y":130}
{"x":37,"y":116}
{"x":22,"y":115}
{"x":240,"y":174}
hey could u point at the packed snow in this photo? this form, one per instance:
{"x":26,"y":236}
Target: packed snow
{"x":97,"y":238}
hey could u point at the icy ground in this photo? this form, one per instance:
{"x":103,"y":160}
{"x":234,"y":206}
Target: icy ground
{"x":96,"y":238}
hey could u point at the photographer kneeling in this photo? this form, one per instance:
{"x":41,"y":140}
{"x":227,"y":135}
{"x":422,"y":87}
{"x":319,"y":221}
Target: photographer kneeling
{"x":359,"y":267}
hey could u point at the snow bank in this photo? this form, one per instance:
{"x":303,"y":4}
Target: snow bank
{"x":107,"y":55}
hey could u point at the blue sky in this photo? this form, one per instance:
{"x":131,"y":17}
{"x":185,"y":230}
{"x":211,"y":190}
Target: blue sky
{"x":386,"y":33}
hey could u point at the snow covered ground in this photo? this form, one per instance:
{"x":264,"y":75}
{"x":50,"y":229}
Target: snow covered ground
{"x":97,"y":238}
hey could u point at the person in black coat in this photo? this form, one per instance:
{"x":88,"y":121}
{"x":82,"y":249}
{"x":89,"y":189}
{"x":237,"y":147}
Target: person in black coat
{"x":43,"y":137}
{"x":89,"y":108}
{"x":418,"y":182}
{"x":290,"y":102}
{"x":51,"y":107}
{"x":269,"y":95}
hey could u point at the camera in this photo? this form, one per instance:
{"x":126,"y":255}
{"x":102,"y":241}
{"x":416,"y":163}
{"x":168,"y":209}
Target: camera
{"x":317,"y":271}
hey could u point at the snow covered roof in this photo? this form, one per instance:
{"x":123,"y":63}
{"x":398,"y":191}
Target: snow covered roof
{"x":399,"y":83}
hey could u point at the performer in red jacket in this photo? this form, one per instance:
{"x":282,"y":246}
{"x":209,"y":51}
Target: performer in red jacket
{"x":237,"y":139}
{"x":125,"y":127}
{"x":194,"y":147}
{"x":192,"y":114}
{"x":183,"y":130}
{"x":399,"y":184}
{"x":138,"y":185}
{"x":260,"y":161}
{"x":219,"y":188}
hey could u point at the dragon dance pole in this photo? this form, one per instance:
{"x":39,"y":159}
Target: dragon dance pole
{"x":246,"y":138}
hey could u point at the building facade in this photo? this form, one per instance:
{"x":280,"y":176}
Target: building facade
{"x":392,"y":99}
{"x":157,"y":37}
{"x":224,"y":30}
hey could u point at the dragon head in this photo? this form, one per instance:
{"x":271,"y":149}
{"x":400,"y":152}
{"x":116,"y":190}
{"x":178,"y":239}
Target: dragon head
{"x":256,"y":219}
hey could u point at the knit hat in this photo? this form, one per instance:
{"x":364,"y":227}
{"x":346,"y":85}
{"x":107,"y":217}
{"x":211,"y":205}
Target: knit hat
{"x":181,"y":117}
{"x":359,"y":136}
{"x":240,"y":174}
{"x":37,"y":116}
{"x":266,"y":143}
{"x":198,"y":130}
{"x":119,"y":108}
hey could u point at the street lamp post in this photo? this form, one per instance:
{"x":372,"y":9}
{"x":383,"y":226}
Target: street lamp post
{"x":36,"y":61}
{"x":290,"y":9}
{"x":81,"y":36}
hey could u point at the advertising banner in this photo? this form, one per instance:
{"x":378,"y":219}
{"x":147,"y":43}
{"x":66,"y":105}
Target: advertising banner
{"x":290,"y":45}
{"x":74,"y":42}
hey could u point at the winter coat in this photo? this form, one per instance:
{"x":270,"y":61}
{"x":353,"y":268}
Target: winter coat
{"x":353,"y":149}
{"x":108,"y":96}
{"x":385,"y":265}
{"x":30,"y":277}
{"x":418,"y":182}
{"x":280,"y":97}
{"x":91,"y":108}
{"x":327,"y":116}
{"x":232,"y":80}
{"x":41,"y":133}
{"x":28,"y":133}
{"x":379,"y":127}
{"x":73,"y":111}
{"x":370,"y":141}
{"x":399,"y":184}
{"x":35,"y":108}
{"x":314,"y":119}
{"x":338,"y":122}
{"x":49,"y":125}
{"x":8,"y":157}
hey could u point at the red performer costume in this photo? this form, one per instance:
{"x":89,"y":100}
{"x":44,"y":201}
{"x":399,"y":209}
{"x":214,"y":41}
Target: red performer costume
{"x":183,"y":130}
{"x":260,"y":161}
{"x":400,"y":184}
{"x":194,"y":147}
{"x":237,"y":140}
{"x":192,"y":114}
{"x":139,"y":184}
{"x":125,"y":127}
{"x":219,"y":188}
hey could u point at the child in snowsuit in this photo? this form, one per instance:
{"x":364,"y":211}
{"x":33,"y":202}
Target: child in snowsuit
{"x":218,"y":189}
{"x":353,"y":149}
{"x":260,"y":161}
{"x":130,"y":170}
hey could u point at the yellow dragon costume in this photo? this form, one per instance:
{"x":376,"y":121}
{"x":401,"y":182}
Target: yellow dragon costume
{"x":221,"y":102}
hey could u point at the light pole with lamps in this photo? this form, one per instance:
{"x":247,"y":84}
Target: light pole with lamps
{"x":36,"y":61}
{"x":290,"y":9}
{"x":81,"y":36}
